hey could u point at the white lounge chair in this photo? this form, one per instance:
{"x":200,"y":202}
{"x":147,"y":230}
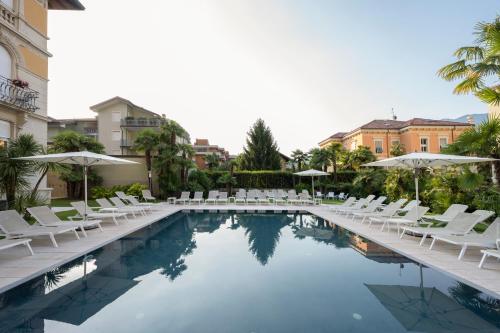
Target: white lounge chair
{"x":12,"y":225}
{"x":91,"y":215}
{"x":46,"y":217}
{"x":293,"y":198}
{"x":305,"y":199}
{"x":119,"y":203}
{"x":122,"y":195}
{"x":347,"y":203}
{"x":369,"y":209}
{"x":184,"y":199}
{"x":330,"y":195}
{"x":409,"y":206}
{"x":107,"y":206}
{"x":387,"y":212}
{"x":212,"y":197}
{"x":8,"y":243}
{"x":490,"y":253}
{"x":252,"y":197}
{"x":146,"y":194}
{"x":361,"y":203}
{"x":486,"y":239}
{"x":461,"y":224}
{"x":222,"y":198}
{"x":197,"y":199}
{"x":147,"y":206}
{"x":240,"y":198}
{"x":319,"y":195}
{"x":449,"y":214}
{"x":411,"y":217}
{"x":262,"y":199}
{"x":279,"y":197}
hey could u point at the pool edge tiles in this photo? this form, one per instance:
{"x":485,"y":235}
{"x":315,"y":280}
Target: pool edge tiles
{"x":485,"y":280}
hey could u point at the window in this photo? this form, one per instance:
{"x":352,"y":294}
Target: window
{"x":116,"y":135}
{"x":379,"y":146}
{"x":116,"y":116}
{"x":424,"y":145}
{"x":5,"y":63}
{"x":354,"y":145}
{"x":4,"y":132}
{"x":443,"y":142}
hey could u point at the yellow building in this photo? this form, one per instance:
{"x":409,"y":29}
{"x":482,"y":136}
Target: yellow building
{"x":24,"y":66}
{"x":415,"y":135}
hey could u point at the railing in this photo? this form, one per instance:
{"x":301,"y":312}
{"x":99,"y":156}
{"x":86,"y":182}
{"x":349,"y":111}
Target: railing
{"x":17,"y":96}
{"x":7,"y":15}
{"x":142,"y":122}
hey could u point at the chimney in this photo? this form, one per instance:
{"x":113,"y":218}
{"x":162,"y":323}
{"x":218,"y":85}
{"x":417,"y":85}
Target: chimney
{"x":394,"y":117}
{"x":470,"y":119}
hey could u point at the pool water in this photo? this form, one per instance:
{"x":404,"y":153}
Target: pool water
{"x":201,"y":272}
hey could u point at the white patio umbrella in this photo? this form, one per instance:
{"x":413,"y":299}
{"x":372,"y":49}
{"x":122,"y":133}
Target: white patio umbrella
{"x":83,"y":158}
{"x":419,"y":161}
{"x":311,"y":173}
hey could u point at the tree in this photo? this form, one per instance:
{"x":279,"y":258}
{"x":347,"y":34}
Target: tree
{"x":15,"y":173}
{"x":261,"y":151}
{"x":186,"y":161}
{"x":359,"y":156}
{"x":147,"y":141}
{"x":169,"y":162}
{"x":478,"y":66}
{"x":213,"y":161}
{"x":299,"y":158}
{"x":483,"y":141}
{"x":320,"y":159}
{"x":397,"y":149}
{"x":335,"y":150}
{"x":70,"y":141}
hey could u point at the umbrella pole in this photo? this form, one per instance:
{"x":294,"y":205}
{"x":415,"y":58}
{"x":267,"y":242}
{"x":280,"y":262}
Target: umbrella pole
{"x":85,"y":169}
{"x":416,"y":192}
{"x":313,"y":187}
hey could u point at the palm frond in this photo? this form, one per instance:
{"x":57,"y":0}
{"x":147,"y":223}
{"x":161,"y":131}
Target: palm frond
{"x":471,"y":53}
{"x":453,"y":71}
{"x":472,"y":83}
{"x":489,"y":95}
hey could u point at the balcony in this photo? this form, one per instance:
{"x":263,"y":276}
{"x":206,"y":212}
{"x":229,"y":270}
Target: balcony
{"x":17,"y":96}
{"x":142,"y":122}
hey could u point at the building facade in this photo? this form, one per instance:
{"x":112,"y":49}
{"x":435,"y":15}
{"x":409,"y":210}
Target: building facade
{"x":24,"y":67}
{"x":415,"y":135}
{"x":118,"y":122}
{"x":203,"y":148}
{"x":85,"y":126}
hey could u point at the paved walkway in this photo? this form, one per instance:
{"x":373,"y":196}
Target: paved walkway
{"x":16,"y":267}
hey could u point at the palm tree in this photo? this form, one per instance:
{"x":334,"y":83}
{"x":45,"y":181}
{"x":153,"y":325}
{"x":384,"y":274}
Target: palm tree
{"x":319,"y":158}
{"x":186,"y":162}
{"x":14,"y":174}
{"x":334,"y":151}
{"x":147,"y":141}
{"x":44,"y":167}
{"x":478,"y":66}
{"x":483,"y":141}
{"x":213,"y":161}
{"x":299,"y":158}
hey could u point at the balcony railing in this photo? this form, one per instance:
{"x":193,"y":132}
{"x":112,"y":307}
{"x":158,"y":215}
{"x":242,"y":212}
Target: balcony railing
{"x":20,"y":97}
{"x":7,"y":15}
{"x":142,"y":122}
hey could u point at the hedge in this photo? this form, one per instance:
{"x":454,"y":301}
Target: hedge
{"x":276,"y":179}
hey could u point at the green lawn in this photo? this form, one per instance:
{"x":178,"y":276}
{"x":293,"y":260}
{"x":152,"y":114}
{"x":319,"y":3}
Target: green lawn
{"x":66,"y":203}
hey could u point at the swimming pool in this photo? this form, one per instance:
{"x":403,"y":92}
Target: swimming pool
{"x":203,"y":272}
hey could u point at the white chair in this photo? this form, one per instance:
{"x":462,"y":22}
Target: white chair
{"x":240,"y":198}
{"x":90,"y":214}
{"x":262,"y":198}
{"x":212,"y":197}
{"x":490,"y":253}
{"x":387,"y":212}
{"x":184,"y":199}
{"x":330,"y":195}
{"x":8,"y":243}
{"x":107,"y":206}
{"x":12,"y":225}
{"x":197,"y":199}
{"x":487,"y":239}
{"x":411,"y":217}
{"x":222,"y":198}
{"x":46,"y":217}
{"x":461,"y":224}
{"x":347,"y":203}
{"x":449,"y":214}
{"x":146,"y":194}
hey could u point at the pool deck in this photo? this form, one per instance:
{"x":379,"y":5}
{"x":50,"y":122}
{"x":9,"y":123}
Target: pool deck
{"x":17,"y":267}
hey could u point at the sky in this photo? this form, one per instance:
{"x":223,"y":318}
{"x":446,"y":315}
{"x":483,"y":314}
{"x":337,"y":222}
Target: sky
{"x":309,"y":68}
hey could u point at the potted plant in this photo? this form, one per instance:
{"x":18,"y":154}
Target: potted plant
{"x":20,"y":83}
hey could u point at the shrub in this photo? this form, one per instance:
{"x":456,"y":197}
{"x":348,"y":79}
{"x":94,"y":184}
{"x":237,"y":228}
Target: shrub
{"x":136,"y":189}
{"x":199,"y":181}
{"x":303,"y":186}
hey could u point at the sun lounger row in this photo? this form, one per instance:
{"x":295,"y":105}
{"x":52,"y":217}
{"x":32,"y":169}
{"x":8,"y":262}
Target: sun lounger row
{"x":412,"y":219}
{"x":17,"y":231}
{"x":277,"y":197}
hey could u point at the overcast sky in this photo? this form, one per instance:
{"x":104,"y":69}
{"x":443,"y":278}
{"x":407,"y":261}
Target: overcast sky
{"x":308,"y":68}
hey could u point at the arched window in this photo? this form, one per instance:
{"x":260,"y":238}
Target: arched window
{"x":5,"y":63}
